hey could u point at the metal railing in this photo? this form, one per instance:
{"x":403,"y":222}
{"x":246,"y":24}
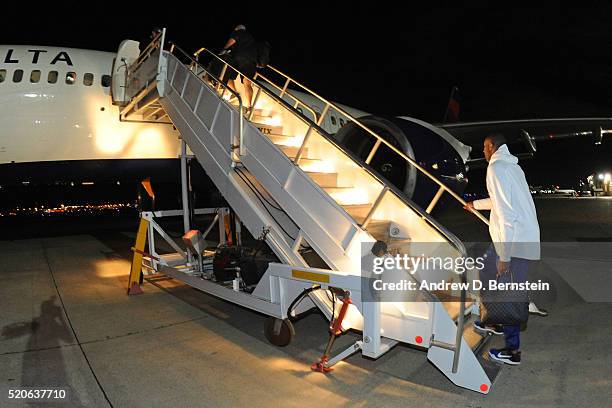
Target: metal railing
{"x":297,"y":102}
{"x":379,"y":141}
{"x":312,"y":126}
{"x":284,"y":90}
{"x":138,"y":88}
{"x":156,"y":42}
{"x":193,"y":63}
{"x":387,"y":187}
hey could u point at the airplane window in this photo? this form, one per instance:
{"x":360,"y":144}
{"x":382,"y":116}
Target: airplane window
{"x":35,"y":76}
{"x":2,"y":75}
{"x":18,"y":75}
{"x":342,"y":122}
{"x":88,"y":79}
{"x":52,"y":77}
{"x":106,"y":81}
{"x":333,"y":120}
{"x":70,"y":78}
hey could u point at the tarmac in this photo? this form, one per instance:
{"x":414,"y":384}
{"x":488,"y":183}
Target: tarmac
{"x":67,"y":323}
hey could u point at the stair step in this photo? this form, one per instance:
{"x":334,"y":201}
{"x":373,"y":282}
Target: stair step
{"x":307,"y":161}
{"x":388,"y":232}
{"x":358,"y":211}
{"x":285,"y":140}
{"x":345,"y":195}
{"x":263,"y":112}
{"x":382,"y":230}
{"x":473,"y":338}
{"x":291,"y":151}
{"x":491,"y":367}
{"x":268,"y":129}
{"x":327,"y":179}
{"x":453,"y":307}
{"x":260,"y":118}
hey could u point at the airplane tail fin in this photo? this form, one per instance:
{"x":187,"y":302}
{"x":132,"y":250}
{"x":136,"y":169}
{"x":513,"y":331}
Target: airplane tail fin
{"x":453,"y":107}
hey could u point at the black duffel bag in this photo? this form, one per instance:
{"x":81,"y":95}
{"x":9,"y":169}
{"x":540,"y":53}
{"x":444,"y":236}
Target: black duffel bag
{"x":506,"y":307}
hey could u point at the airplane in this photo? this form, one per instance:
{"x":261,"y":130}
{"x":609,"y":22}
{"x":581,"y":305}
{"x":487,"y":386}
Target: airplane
{"x":56,"y":107}
{"x":49,"y":93}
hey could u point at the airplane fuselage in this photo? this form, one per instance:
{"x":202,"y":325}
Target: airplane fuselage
{"x":55,"y":105}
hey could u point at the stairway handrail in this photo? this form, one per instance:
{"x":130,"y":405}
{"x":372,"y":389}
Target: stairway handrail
{"x":156,"y":42}
{"x":366,"y":166}
{"x":173,"y":47}
{"x":380,"y":140}
{"x":451,"y":238}
{"x":297,"y":100}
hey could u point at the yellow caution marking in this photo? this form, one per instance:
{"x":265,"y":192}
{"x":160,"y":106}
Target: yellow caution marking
{"x":141,"y":239}
{"x":311,"y":276}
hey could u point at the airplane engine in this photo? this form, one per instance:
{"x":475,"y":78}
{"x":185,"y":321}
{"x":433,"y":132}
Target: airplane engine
{"x":419,"y":141}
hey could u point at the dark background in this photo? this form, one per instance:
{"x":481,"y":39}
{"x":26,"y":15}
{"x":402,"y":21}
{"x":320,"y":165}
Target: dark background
{"x":509,"y":62}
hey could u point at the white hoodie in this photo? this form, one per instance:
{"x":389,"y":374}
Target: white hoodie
{"x":513,"y":224}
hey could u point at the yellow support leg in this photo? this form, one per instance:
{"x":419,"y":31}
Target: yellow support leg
{"x":141,"y":240}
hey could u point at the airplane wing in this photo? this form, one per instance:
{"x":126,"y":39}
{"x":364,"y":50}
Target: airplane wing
{"x":528,"y":132}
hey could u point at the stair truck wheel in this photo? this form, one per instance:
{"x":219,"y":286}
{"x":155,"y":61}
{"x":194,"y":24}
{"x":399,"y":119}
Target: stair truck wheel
{"x":279,"y":332}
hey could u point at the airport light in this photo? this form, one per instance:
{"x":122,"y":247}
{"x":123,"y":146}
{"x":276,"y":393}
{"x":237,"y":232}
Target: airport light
{"x":600,"y":177}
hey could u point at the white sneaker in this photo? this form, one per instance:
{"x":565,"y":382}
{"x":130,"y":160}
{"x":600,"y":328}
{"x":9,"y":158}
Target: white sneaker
{"x":533,"y":309}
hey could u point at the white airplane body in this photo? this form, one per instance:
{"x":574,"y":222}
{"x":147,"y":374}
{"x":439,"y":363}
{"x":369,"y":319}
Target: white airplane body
{"x":68,"y":120}
{"x":55,"y":107}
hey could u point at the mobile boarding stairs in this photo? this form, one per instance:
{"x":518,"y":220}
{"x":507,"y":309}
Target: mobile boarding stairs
{"x":317,"y":195}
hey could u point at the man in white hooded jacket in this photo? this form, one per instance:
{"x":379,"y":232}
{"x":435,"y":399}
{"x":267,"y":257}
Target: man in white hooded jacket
{"x":513,"y":226}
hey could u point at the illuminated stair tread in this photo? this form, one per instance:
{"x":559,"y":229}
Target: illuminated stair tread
{"x":473,"y":338}
{"x":328,"y":179}
{"x":285,"y":140}
{"x":318,"y":223}
{"x":358,"y":211}
{"x":268,"y":129}
{"x":260,"y":118}
{"x":453,"y":307}
{"x":344,"y":196}
{"x":291,"y":151}
{"x":380,"y":229}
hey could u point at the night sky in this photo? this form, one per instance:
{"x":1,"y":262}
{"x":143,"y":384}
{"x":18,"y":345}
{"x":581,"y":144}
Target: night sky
{"x":509,"y":62}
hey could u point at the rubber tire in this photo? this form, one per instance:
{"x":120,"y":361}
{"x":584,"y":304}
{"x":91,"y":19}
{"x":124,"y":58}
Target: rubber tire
{"x":285,"y":334}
